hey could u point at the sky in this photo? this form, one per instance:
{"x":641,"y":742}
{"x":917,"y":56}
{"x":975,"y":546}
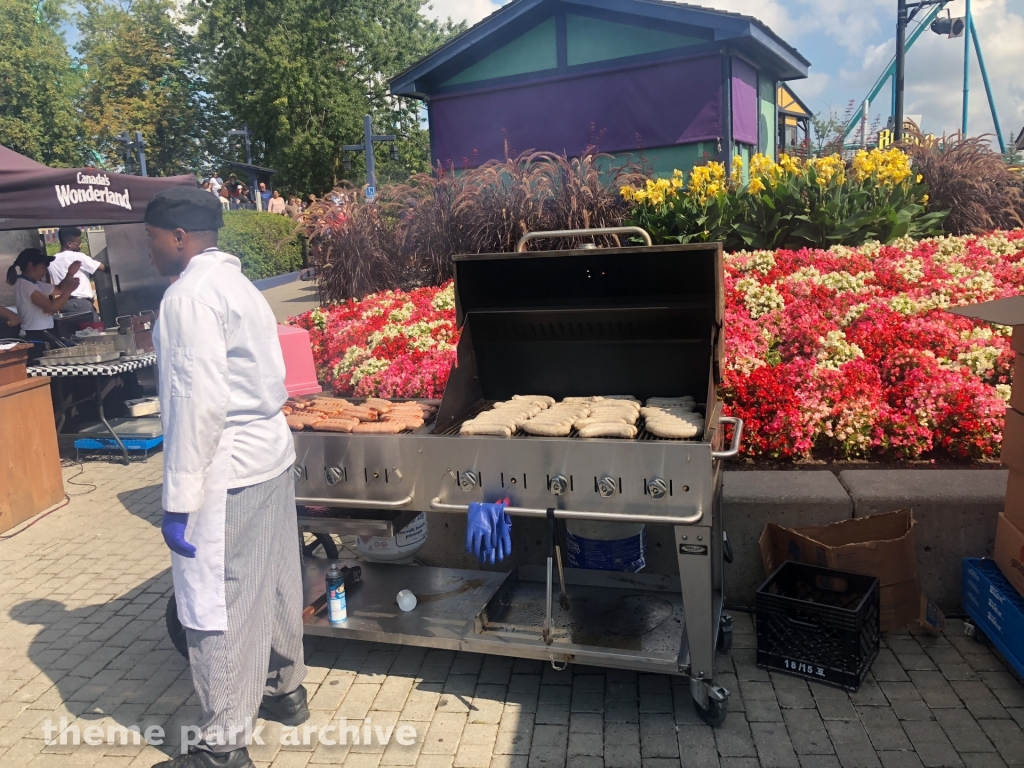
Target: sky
{"x":850,"y":42}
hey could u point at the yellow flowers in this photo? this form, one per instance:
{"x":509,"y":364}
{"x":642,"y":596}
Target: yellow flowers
{"x":789,"y":164}
{"x":655,"y":191}
{"x":736,"y":175}
{"x":756,"y":186}
{"x":706,"y":181}
{"x":828,"y":168}
{"x":888,"y":167}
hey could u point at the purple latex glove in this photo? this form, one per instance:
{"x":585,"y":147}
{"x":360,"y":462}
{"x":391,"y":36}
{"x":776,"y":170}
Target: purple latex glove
{"x":173,"y":527}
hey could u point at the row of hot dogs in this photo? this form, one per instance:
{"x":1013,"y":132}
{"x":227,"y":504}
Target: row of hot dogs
{"x":372,"y":416}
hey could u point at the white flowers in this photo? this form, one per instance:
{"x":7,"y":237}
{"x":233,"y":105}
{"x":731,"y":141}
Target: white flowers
{"x":319,"y":318}
{"x":445,"y":299}
{"x":760,"y":299}
{"x":836,"y":350}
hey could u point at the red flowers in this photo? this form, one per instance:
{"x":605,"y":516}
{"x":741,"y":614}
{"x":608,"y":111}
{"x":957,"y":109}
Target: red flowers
{"x":846,"y":353}
{"x":850,"y":353}
{"x":391,"y":344}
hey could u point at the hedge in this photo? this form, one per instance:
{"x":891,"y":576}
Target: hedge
{"x":268,"y":244}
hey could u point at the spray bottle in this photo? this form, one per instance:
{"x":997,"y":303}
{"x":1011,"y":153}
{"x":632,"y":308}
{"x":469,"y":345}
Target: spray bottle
{"x":337,"y":610}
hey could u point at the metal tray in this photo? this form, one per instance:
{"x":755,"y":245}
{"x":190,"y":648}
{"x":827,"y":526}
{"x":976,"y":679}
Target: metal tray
{"x":104,"y":357}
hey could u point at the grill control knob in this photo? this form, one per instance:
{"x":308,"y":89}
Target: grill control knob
{"x":299,"y":471}
{"x":657,"y":487}
{"x":606,"y":486}
{"x":467,"y":481}
{"x":333,"y":475}
{"x":559,"y":485}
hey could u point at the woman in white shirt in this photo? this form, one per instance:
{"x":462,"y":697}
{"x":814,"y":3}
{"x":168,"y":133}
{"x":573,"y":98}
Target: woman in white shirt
{"x":36,"y":300}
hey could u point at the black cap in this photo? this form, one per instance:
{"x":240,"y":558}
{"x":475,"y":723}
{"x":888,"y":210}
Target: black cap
{"x":188,"y":208}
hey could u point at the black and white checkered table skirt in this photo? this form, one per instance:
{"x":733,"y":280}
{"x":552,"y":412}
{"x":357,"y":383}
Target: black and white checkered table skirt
{"x":94,"y":369}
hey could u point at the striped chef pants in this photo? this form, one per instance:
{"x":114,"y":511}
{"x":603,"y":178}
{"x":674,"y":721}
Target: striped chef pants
{"x":260,"y":654}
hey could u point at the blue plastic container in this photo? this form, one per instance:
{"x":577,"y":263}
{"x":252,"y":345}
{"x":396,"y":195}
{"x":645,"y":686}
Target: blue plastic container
{"x":605,"y":546}
{"x":995,"y":607}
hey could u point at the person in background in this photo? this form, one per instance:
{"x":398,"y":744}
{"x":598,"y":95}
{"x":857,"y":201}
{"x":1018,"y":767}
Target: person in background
{"x":293,"y":207}
{"x":265,"y":196}
{"x":234,"y":187}
{"x":276,"y":203}
{"x":216,"y":183}
{"x":82,"y":298}
{"x":36,"y":300}
{"x":206,"y":186}
{"x":228,"y":491}
{"x":225,"y":199}
{"x":244,"y":198}
{"x":312,"y":202}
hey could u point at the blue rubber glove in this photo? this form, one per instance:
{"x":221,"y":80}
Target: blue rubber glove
{"x":504,"y":548}
{"x":173,"y":528}
{"x":480,"y":531}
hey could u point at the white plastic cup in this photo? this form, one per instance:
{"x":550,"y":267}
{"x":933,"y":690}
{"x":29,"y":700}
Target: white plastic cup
{"x":406,"y":600}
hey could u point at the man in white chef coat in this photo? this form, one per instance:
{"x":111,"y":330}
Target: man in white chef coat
{"x":228,"y":494}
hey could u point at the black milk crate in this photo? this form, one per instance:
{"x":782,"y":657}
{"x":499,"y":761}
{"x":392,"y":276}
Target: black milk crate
{"x":818,"y":623}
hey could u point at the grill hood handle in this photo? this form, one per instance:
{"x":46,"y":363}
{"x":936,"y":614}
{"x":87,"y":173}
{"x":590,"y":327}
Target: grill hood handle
{"x":521,"y":246}
{"x":737,"y":435}
{"x":608,"y":517}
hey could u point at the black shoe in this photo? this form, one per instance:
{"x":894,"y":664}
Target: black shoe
{"x":197,"y":758}
{"x":288,"y":708}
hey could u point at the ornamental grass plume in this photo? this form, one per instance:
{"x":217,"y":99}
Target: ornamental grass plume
{"x":965,"y":177}
{"x":406,"y":239}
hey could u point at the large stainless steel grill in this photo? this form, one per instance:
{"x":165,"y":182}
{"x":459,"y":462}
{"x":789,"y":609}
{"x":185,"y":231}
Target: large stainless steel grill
{"x":641,"y":321}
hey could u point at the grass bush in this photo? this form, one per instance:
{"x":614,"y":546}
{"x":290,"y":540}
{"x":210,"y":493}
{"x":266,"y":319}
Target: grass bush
{"x":407,"y":238}
{"x":965,"y":177}
{"x":267,"y":244}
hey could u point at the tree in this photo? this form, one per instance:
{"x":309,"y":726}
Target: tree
{"x":302,"y":73}
{"x":828,"y":131}
{"x":37,"y":84}
{"x":140,"y":74}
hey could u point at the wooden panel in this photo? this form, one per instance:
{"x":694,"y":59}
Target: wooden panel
{"x":30,"y":476}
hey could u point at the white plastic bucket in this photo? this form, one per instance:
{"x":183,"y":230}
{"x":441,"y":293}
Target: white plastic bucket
{"x":606,"y":546}
{"x":400,"y":548}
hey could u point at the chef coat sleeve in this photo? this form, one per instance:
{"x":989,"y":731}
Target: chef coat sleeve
{"x":194,"y":394}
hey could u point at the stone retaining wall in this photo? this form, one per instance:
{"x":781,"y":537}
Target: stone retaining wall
{"x":956,"y":513}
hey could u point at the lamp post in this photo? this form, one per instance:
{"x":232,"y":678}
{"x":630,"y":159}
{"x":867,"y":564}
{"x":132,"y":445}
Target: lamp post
{"x":247,"y":137}
{"x":367,"y":147}
{"x":138,"y":146}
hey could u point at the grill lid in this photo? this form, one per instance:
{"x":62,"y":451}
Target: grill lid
{"x":607,"y":278}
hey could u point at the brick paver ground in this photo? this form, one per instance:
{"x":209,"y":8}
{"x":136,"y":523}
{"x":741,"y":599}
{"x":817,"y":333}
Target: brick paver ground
{"x":82,"y":638}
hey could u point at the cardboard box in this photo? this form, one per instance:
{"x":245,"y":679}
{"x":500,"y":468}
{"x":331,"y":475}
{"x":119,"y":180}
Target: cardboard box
{"x":1014,"y":509}
{"x":1012,"y":452}
{"x":1008,"y":311}
{"x":879,"y":545}
{"x":1009,"y":552}
{"x":1017,"y":393}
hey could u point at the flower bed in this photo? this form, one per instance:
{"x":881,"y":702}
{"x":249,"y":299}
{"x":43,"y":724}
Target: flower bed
{"x":845,"y":353}
{"x":391,"y":344}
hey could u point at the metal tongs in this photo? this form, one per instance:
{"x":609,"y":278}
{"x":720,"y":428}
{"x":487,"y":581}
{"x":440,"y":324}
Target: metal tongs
{"x":563,"y":599}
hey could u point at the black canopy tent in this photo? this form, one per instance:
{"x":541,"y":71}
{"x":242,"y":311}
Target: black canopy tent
{"x":33,"y":195}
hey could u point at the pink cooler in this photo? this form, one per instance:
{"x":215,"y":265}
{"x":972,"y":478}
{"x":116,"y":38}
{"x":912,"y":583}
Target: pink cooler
{"x":300,"y":372}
